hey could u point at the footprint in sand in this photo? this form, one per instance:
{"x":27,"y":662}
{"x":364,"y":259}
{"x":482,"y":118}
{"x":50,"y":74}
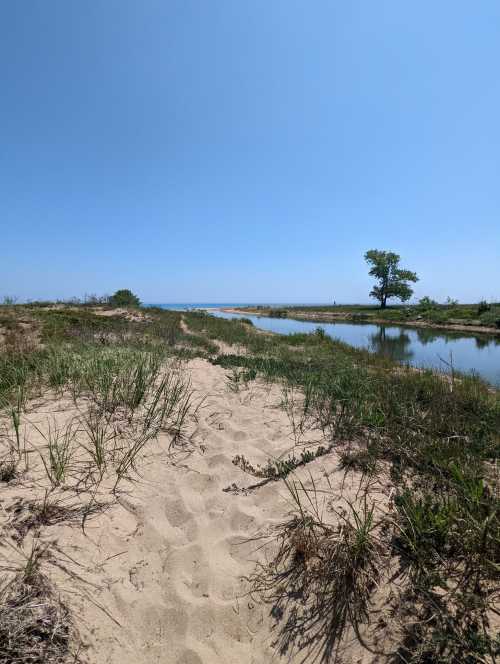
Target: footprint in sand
{"x":238,"y":435}
{"x":241,"y":549}
{"x":189,"y":657}
{"x":241,"y":522}
{"x":201,"y":482}
{"x":205,"y":621}
{"x":219,"y":460}
{"x":189,"y":568}
{"x":180,"y":517}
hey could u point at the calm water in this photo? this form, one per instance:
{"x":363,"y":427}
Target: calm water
{"x":421,"y":347}
{"x":185,"y":306}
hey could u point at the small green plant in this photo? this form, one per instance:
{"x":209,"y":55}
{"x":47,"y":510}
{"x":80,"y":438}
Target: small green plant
{"x":60,"y":447}
{"x":170,"y":406}
{"x":137,"y":381}
{"x":277,"y":469}
{"x":129,"y":455}
{"x":99,"y":432}
{"x":15,"y":413}
{"x":239,"y":377}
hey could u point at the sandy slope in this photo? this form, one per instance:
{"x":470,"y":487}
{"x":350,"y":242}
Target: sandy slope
{"x":159,"y":577}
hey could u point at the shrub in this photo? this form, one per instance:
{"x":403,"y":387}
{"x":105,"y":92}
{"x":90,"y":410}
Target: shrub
{"x":436,"y":316}
{"x":491,"y":318}
{"x":320,"y":334}
{"x":427,"y":303}
{"x":482,"y":307}
{"x":124,"y":298}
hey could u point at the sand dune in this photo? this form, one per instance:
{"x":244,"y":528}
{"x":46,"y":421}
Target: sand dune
{"x":159,"y":576}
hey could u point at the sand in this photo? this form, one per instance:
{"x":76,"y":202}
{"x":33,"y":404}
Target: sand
{"x":160,"y":576}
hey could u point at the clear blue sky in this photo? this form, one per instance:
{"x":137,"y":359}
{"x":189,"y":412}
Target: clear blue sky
{"x":232,"y":150}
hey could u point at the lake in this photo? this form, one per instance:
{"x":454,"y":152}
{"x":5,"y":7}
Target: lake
{"x":420,"y":347}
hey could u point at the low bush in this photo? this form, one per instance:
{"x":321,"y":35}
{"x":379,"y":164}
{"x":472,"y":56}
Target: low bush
{"x":491,"y":318}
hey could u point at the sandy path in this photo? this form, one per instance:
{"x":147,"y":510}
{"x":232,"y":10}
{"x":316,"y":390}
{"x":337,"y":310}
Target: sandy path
{"x":161,"y":574}
{"x":178,"y":591}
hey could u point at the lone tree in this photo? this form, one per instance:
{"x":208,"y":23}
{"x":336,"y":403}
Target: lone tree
{"x":124,"y":298}
{"x":392,"y":280}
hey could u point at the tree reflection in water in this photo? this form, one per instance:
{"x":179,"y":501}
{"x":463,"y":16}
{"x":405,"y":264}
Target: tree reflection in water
{"x":394,"y":346}
{"x":427,"y":335}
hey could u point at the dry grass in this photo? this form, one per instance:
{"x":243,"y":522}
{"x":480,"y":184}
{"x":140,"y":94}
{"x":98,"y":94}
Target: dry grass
{"x":322,"y":574}
{"x":8,"y":468}
{"x":35,"y":625}
{"x":32,"y":515}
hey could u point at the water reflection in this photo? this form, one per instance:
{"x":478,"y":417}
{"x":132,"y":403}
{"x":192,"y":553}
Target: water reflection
{"x":394,"y":346}
{"x":420,"y":346}
{"x":428,"y":335}
{"x":483,"y":342}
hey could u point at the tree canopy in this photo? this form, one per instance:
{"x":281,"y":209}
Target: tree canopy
{"x":392,"y":281}
{"x":124,"y":298}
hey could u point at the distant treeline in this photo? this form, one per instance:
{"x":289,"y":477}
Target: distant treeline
{"x":121,"y":298}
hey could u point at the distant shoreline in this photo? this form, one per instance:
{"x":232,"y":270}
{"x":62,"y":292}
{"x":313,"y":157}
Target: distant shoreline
{"x":343,"y":317}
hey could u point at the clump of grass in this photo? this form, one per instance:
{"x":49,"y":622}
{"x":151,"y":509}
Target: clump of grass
{"x":334,"y":401}
{"x":35,"y":625}
{"x":99,"y":432}
{"x":128,"y":456}
{"x":117,"y":378}
{"x":15,"y":413}
{"x":32,"y":515}
{"x":362,"y":459}
{"x":136,"y":381}
{"x":185,"y":408}
{"x":435,"y":632}
{"x":449,"y":541}
{"x":321,"y":576}
{"x":59,"y":366}
{"x":8,"y":469}
{"x":167,"y":331}
{"x":169,"y":406}
{"x":60,"y":447}
{"x":295,"y":402}
{"x":17,"y":373}
{"x":198,"y":344}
